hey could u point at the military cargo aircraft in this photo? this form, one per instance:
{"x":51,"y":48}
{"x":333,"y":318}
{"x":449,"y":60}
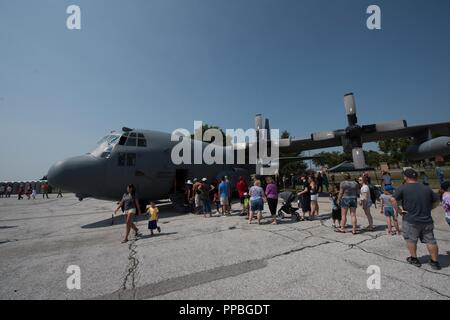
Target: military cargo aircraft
{"x":143,"y":157}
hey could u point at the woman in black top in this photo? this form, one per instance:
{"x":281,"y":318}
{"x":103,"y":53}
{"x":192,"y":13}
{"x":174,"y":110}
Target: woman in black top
{"x":131,"y":206}
{"x":305,"y":199}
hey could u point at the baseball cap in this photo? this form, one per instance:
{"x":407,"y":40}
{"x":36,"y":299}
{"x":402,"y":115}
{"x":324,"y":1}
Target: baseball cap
{"x":410,"y":173}
{"x":204,"y":179}
{"x":389,"y":188}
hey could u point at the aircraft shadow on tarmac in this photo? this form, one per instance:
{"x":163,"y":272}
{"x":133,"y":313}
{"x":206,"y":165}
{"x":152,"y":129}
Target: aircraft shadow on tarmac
{"x":7,"y":227}
{"x":165,"y":211}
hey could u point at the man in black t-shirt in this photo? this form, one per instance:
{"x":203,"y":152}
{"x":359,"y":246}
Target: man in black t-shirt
{"x":417,"y":201}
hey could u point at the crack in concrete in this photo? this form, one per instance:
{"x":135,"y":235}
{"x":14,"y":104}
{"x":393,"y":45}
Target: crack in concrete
{"x":285,"y":253}
{"x":357,"y":245}
{"x":186,"y":281}
{"x":132,"y":270}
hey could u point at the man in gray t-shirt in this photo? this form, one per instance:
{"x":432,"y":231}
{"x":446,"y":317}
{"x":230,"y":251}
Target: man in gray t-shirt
{"x":417,"y":201}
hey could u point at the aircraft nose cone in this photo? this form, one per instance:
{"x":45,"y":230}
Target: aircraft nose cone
{"x":78,"y":174}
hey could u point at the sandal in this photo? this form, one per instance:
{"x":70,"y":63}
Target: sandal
{"x":368,"y":228}
{"x":356,"y":232}
{"x":340,"y":230}
{"x":124,"y":241}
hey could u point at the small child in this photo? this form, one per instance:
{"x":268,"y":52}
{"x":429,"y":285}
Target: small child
{"x":153,"y":213}
{"x":217,"y":201}
{"x":246,"y":204}
{"x":388,"y":209}
{"x":336,"y":209}
{"x":33,"y":194}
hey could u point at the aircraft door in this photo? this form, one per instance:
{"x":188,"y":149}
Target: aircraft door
{"x":180,"y":180}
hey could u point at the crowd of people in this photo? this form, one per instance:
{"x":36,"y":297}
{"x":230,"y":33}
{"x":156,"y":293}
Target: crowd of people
{"x":199,"y":196}
{"x":412,"y":200}
{"x":5,"y":191}
{"x":28,"y":190}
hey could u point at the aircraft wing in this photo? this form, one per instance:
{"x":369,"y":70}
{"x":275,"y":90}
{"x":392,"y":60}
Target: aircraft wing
{"x":442,"y":128}
{"x":299,"y":145}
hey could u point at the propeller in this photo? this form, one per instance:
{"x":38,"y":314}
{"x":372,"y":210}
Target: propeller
{"x":258,"y":122}
{"x":267,"y":134}
{"x":351,"y":136}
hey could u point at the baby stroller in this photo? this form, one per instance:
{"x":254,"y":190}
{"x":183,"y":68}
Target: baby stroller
{"x":287,"y":208}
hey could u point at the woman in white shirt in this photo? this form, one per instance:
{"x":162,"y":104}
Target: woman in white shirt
{"x":366,"y":202}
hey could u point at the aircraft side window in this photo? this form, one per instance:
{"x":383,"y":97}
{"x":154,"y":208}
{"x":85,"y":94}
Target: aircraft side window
{"x":131,"y":159}
{"x":131,"y":142}
{"x":140,"y":135}
{"x":121,"y":159}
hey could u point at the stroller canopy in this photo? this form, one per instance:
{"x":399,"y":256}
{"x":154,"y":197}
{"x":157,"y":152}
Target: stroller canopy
{"x":288,"y":197}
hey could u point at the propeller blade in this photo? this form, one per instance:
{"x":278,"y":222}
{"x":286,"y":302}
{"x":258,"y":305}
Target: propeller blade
{"x":391,"y":126}
{"x":358,"y":158}
{"x":324,"y":135}
{"x":267,"y":127}
{"x":258,"y":122}
{"x":349,"y":103}
{"x":350,"y":109}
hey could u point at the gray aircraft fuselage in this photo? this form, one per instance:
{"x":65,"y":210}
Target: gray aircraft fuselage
{"x":105,"y":174}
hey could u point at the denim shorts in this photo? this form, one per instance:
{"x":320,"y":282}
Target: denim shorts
{"x":415,"y":231}
{"x":348,"y":202}
{"x":389,"y":212}
{"x":257,"y":205}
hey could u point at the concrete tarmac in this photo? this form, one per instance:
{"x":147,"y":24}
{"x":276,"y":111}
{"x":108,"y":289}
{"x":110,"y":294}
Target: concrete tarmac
{"x":204,"y":258}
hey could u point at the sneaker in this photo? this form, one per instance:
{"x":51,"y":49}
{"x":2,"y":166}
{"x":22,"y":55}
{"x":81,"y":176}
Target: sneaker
{"x":435,"y":265}
{"x":414,"y":261}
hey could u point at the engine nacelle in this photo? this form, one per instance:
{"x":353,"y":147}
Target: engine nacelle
{"x":429,"y":149}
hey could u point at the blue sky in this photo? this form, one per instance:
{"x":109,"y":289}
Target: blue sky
{"x":161,"y":64}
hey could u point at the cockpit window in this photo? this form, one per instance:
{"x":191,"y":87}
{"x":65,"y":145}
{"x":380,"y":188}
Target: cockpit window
{"x":105,"y":146}
{"x":133,"y":139}
{"x":131,"y":142}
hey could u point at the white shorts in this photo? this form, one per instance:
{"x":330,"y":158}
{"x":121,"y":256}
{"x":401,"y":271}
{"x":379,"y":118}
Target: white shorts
{"x":224,"y":200}
{"x":197,"y":200}
{"x":132,"y":211}
{"x":314,"y":197}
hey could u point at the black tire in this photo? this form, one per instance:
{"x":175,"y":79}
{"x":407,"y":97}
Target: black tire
{"x":280,"y":214}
